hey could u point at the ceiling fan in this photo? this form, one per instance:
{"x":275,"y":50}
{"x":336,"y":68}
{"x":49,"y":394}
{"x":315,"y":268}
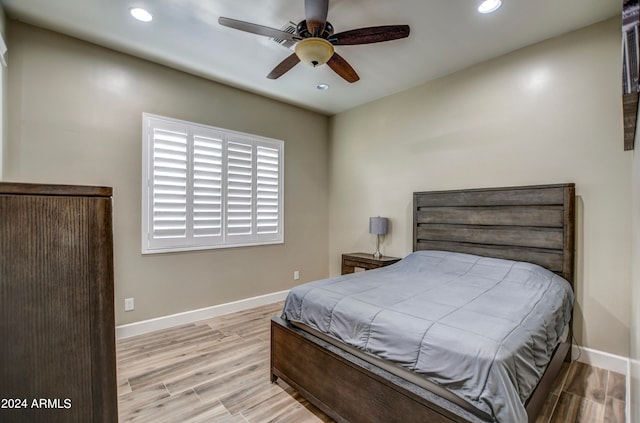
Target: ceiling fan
{"x":315,"y":39}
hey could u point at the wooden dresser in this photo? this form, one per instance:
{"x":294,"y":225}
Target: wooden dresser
{"x":57,"y":329}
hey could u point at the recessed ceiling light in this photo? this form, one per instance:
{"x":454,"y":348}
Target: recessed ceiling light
{"x":141,"y":14}
{"x":322,"y":87}
{"x":489,"y":6}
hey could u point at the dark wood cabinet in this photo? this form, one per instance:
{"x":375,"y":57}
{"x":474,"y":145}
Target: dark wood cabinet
{"x":57,"y":329}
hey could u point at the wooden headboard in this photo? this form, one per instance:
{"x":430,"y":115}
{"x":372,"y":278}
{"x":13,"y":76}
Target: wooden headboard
{"x":530,"y":223}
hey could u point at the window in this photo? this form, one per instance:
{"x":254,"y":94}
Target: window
{"x":206,"y":187}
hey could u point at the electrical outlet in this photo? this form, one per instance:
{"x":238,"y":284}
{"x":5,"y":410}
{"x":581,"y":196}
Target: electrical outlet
{"x":128,"y":304}
{"x":296,"y":275}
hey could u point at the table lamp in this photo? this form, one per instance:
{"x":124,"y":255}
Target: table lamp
{"x":378,"y":226}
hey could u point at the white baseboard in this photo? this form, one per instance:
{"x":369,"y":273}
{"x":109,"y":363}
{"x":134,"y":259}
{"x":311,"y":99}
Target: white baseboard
{"x":165,"y":322}
{"x":604,"y":360}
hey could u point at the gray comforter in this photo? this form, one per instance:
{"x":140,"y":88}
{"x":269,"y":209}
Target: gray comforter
{"x":483,"y":328}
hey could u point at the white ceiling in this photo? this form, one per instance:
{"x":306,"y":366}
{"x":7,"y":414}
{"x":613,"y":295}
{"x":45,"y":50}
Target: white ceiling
{"x":446,"y":36}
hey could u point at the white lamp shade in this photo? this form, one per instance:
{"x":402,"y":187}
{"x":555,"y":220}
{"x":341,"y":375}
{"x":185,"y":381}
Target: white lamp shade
{"x":378,"y":225}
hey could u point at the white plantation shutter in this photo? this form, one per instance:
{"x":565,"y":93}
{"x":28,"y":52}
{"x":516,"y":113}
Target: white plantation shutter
{"x":267,"y":190}
{"x":240,"y":189}
{"x":169,"y":183}
{"x":206,"y":187}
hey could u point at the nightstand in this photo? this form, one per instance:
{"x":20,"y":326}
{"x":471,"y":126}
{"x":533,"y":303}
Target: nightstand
{"x":364,"y":261}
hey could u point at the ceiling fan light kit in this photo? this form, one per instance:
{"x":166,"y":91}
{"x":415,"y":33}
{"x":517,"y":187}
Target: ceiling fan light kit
{"x":314,"y":51}
{"x":315,"y":40}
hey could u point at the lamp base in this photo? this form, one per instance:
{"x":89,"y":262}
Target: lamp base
{"x":377,"y":254}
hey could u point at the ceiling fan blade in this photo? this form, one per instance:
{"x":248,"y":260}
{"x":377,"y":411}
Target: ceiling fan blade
{"x":374,"y":34}
{"x":284,"y":66}
{"x":257,"y":29}
{"x":315,"y":12}
{"x":342,"y":68}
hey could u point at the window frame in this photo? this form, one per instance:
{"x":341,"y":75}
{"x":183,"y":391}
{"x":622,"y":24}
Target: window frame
{"x":265,"y":203}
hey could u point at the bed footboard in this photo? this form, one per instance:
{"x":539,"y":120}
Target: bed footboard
{"x":349,"y":389}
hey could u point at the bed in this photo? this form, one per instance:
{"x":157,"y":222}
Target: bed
{"x":533,"y":224}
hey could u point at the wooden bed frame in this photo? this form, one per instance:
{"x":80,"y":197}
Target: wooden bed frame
{"x":532,"y":223}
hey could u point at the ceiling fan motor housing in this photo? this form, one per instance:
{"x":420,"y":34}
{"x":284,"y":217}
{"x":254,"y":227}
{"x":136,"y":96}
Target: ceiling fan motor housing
{"x":303,"y":31}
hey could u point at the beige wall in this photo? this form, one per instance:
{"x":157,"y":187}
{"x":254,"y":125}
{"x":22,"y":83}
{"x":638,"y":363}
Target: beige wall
{"x":548,"y":113}
{"x":634,"y":353}
{"x":75,"y":116}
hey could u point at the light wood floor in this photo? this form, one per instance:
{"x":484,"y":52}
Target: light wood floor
{"x":217,"y":370}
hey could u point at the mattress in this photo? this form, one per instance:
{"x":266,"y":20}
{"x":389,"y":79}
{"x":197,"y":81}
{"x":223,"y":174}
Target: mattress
{"x":484,"y":329}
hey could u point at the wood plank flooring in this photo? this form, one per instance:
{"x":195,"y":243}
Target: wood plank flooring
{"x":584,"y":393}
{"x":217,"y":371}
